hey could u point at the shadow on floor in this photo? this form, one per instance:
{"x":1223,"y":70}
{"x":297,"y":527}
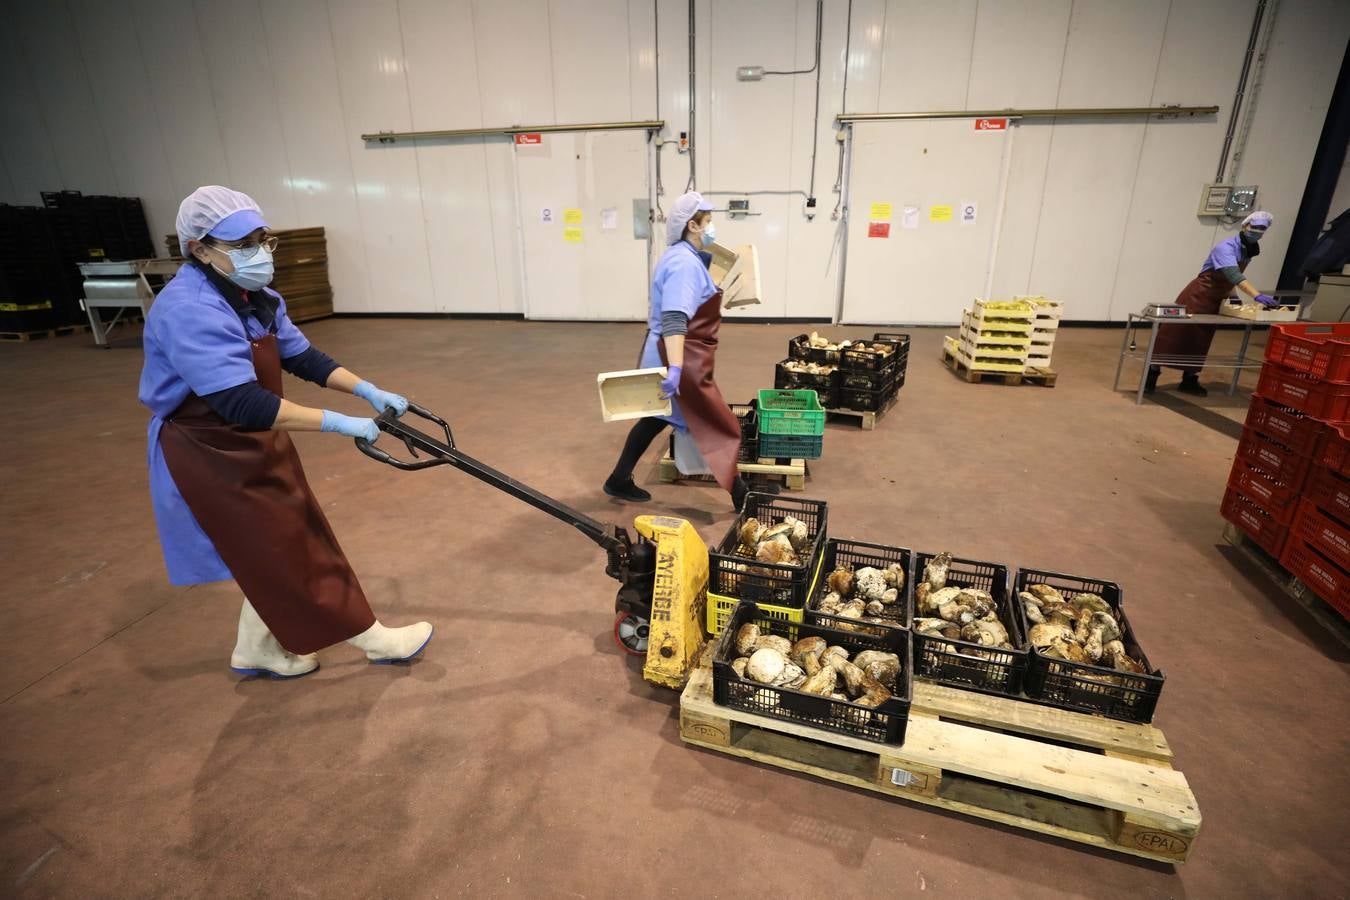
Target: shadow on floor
{"x":1208,"y":414}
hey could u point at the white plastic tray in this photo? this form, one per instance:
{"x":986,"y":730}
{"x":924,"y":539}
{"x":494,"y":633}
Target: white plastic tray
{"x":632,"y":394}
{"x":1239,"y":309}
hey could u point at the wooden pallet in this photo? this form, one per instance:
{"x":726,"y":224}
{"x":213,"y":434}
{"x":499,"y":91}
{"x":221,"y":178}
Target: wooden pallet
{"x":1326,"y":615}
{"x":793,"y":472}
{"x":1039,"y":376}
{"x":1083,"y":778}
{"x":41,"y":333}
{"x":866,"y":418}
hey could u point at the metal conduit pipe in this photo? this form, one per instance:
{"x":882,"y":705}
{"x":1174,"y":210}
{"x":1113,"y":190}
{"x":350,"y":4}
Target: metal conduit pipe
{"x":389,"y":137}
{"x":1241,"y":89}
{"x":689,"y":185}
{"x":1082,"y":113}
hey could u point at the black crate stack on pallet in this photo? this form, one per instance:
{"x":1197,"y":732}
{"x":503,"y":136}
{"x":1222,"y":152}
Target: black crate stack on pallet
{"x":32,"y":295}
{"x":857,"y":379}
{"x":41,"y":248}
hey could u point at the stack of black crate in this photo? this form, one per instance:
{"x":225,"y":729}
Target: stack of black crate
{"x":31,"y":285}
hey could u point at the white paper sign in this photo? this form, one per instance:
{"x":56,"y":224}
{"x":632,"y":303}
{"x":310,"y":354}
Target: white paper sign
{"x":969,"y":209}
{"x":909,"y":218}
{"x":546,"y":216}
{"x":609,"y":219}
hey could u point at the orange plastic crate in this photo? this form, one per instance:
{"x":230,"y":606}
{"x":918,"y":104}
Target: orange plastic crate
{"x":1298,"y":432}
{"x":1277,"y":461}
{"x":1258,"y":524}
{"x":1331,"y":492}
{"x":1274,"y":496}
{"x":1319,"y":574}
{"x":1322,"y":349}
{"x":1323,"y":532}
{"x":1323,"y":400}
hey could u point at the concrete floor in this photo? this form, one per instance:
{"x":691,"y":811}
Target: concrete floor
{"x":524,"y":755}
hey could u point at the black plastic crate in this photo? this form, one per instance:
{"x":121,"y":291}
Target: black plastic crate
{"x":864,"y":401}
{"x":800,"y":348}
{"x":747,"y":414}
{"x":742,"y":578}
{"x":962,"y":663}
{"x":860,"y":554}
{"x":1080,"y":686}
{"x":868,"y":360}
{"x":31,"y":316}
{"x":884,"y":724}
{"x":825,"y":386}
{"x":867,"y":381}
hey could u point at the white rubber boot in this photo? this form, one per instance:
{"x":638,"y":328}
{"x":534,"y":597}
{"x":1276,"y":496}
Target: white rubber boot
{"x":390,"y":645}
{"x":257,"y":652}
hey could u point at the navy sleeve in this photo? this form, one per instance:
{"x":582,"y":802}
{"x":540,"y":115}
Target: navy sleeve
{"x":312,"y":365}
{"x":250,"y":405}
{"x":674,"y":322}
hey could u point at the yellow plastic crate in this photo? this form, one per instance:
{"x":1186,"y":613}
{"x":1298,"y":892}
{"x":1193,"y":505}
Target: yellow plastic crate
{"x":720,"y":608}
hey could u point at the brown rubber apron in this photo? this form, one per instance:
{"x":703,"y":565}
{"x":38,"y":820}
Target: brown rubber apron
{"x":248,"y":492}
{"x":714,"y":427}
{"x":1201,"y":297}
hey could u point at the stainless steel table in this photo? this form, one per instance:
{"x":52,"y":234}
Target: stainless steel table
{"x":1236,"y":363}
{"x":118,"y":285}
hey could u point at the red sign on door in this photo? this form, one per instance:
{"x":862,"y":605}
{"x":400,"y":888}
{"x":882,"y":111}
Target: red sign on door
{"x":529,"y":139}
{"x":991,"y":124}
{"x":879,"y":229}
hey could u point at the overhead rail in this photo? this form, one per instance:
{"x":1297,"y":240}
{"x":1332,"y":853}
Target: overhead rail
{"x":389,"y":137}
{"x":1082,"y":113}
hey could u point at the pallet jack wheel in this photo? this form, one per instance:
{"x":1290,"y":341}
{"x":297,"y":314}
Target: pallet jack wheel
{"x":630,"y":633}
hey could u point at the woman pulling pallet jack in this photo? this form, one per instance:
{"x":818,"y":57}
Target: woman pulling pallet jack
{"x":663,"y":576}
{"x":686,"y":313}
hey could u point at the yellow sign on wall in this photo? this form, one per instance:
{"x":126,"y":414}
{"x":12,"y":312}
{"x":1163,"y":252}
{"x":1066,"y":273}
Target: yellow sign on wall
{"x":881,"y":212}
{"x":940,"y":213}
{"x":572,"y":234}
{"x":571,"y":217}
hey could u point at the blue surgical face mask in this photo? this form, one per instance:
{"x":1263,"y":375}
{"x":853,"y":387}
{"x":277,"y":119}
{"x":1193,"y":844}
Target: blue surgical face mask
{"x":709,"y":234}
{"x":253,"y":273}
{"x":1253,"y":235}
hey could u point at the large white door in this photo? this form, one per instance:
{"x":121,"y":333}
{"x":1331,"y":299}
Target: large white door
{"x":924,"y":267}
{"x":581,"y":256}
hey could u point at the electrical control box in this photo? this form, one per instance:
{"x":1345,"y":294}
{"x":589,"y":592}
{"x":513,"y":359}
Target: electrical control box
{"x":1227,"y":200}
{"x":738,"y":208}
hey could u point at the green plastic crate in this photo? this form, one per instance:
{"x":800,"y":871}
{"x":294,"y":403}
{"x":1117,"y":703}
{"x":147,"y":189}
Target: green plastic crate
{"x":791,"y":412}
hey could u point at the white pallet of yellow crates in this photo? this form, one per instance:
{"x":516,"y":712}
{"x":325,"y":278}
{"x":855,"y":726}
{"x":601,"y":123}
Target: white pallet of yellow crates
{"x":995,"y":336}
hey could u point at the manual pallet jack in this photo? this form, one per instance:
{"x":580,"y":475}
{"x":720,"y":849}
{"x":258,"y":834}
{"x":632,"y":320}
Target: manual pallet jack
{"x":663,"y":577}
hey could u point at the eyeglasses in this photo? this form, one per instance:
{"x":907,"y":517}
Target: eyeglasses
{"x":248,"y":251}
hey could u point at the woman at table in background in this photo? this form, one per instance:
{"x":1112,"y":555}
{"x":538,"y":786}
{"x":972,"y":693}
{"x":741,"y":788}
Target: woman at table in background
{"x":1222,"y":272}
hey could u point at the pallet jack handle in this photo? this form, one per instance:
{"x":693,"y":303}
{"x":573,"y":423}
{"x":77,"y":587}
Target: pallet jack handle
{"x":616,"y":541}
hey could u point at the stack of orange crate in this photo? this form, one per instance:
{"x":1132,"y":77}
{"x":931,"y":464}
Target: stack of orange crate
{"x":1289,"y":490}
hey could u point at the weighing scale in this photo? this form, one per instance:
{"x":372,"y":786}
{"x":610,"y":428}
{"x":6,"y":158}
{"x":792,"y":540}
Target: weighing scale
{"x":1166,"y":311}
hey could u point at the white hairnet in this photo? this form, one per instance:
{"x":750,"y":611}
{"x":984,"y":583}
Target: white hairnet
{"x":681,"y":212}
{"x":207,"y":207}
{"x":1259,"y":219}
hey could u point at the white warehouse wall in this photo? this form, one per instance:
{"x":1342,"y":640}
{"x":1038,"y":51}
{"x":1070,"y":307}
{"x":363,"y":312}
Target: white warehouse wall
{"x":151,"y":98}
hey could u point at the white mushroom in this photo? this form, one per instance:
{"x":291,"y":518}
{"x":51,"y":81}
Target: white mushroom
{"x":766,"y":665}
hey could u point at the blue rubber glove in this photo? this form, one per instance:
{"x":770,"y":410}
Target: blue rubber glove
{"x":670,"y":385}
{"x":351,"y":426}
{"x":381,"y":400}
{"x":1267,"y":300}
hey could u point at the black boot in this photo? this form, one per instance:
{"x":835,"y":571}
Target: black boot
{"x":1190,"y":384}
{"x":1151,"y":382}
{"x":626,"y":490}
{"x":743,"y":487}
